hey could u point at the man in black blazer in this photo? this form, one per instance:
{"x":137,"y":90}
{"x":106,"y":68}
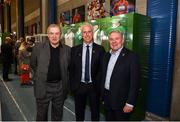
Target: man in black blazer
{"x":6,"y":51}
{"x":84,"y":72}
{"x":120,"y":79}
{"x":50,"y":62}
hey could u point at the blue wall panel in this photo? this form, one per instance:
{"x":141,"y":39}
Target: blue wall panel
{"x":52,"y":11}
{"x":163,"y":37}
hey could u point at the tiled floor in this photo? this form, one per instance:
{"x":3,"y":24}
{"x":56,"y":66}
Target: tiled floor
{"x":18,"y":102}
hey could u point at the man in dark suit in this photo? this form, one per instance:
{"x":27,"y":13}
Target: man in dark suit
{"x":84,"y":72}
{"x":120,"y":79}
{"x":50,"y":61}
{"x":7,"y":54}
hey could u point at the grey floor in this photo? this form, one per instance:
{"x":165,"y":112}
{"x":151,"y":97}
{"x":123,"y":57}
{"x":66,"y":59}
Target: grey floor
{"x":18,"y":103}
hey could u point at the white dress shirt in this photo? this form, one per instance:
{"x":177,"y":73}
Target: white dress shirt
{"x":111,"y":64}
{"x":84,"y":60}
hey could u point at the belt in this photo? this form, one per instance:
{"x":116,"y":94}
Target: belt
{"x":54,"y":81}
{"x":86,"y":83}
{"x":106,"y":91}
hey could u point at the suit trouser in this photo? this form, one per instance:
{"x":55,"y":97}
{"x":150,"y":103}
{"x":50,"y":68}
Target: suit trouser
{"x":113,"y":114}
{"x":15,"y":64}
{"x":86,"y":91}
{"x":54,"y":95}
{"x":6,"y":67}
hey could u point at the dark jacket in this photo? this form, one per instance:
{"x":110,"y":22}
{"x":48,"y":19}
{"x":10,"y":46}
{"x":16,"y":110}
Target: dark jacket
{"x":76,"y":66}
{"x":125,"y":78}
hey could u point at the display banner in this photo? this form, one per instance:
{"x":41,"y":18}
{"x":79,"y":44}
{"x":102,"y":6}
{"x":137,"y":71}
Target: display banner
{"x":64,"y":18}
{"x":118,"y":7}
{"x":136,"y":31}
{"x":96,"y":9}
{"x":78,"y":14}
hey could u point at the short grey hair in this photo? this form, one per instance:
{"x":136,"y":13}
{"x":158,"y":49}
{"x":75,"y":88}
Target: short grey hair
{"x":86,"y":24}
{"x":53,"y":26}
{"x":117,"y":31}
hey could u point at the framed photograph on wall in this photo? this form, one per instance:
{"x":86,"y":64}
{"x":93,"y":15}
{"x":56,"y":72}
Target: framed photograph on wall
{"x":96,"y":9}
{"x":118,"y":7}
{"x":78,"y":14}
{"x":64,"y":18}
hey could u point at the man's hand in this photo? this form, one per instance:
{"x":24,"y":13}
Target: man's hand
{"x":127,"y":108}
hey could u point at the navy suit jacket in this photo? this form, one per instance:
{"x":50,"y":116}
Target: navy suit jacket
{"x":76,"y":66}
{"x":125,"y":78}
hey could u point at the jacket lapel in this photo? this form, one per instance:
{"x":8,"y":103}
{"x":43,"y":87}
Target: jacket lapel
{"x":93,"y":56}
{"x":61,"y":57}
{"x":79,"y":57}
{"x":105,"y":65}
{"x":118,"y":62}
{"x":45,"y":56}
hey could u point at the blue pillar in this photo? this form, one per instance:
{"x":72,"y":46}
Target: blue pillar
{"x":8,"y":17}
{"x":51,"y":11}
{"x":20,"y":20}
{"x":2,"y":15}
{"x":162,"y":47}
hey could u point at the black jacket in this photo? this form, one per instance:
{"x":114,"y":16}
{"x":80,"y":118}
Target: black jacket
{"x":125,"y":78}
{"x":76,"y":66}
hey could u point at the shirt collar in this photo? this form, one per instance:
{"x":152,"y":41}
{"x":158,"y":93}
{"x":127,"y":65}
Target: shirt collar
{"x":55,"y":47}
{"x":90,"y":45}
{"x":117,"y":52}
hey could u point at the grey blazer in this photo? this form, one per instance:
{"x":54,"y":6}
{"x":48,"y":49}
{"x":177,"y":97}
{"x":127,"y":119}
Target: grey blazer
{"x":40,"y":62}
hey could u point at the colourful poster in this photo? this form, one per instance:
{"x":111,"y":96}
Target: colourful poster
{"x":118,"y":7}
{"x":101,"y":29}
{"x":78,"y":14}
{"x":71,"y":34}
{"x":96,"y":9}
{"x":64,"y":18}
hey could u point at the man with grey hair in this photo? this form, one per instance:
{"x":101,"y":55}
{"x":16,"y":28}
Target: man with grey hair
{"x":120,"y":79}
{"x":49,"y":62}
{"x":84,"y":72}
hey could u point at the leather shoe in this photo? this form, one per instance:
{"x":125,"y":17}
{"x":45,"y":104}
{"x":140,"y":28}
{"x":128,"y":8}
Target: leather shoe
{"x":7,"y":79}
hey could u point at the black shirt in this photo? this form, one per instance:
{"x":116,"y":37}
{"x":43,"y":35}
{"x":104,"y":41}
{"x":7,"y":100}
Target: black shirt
{"x":54,"y":72}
